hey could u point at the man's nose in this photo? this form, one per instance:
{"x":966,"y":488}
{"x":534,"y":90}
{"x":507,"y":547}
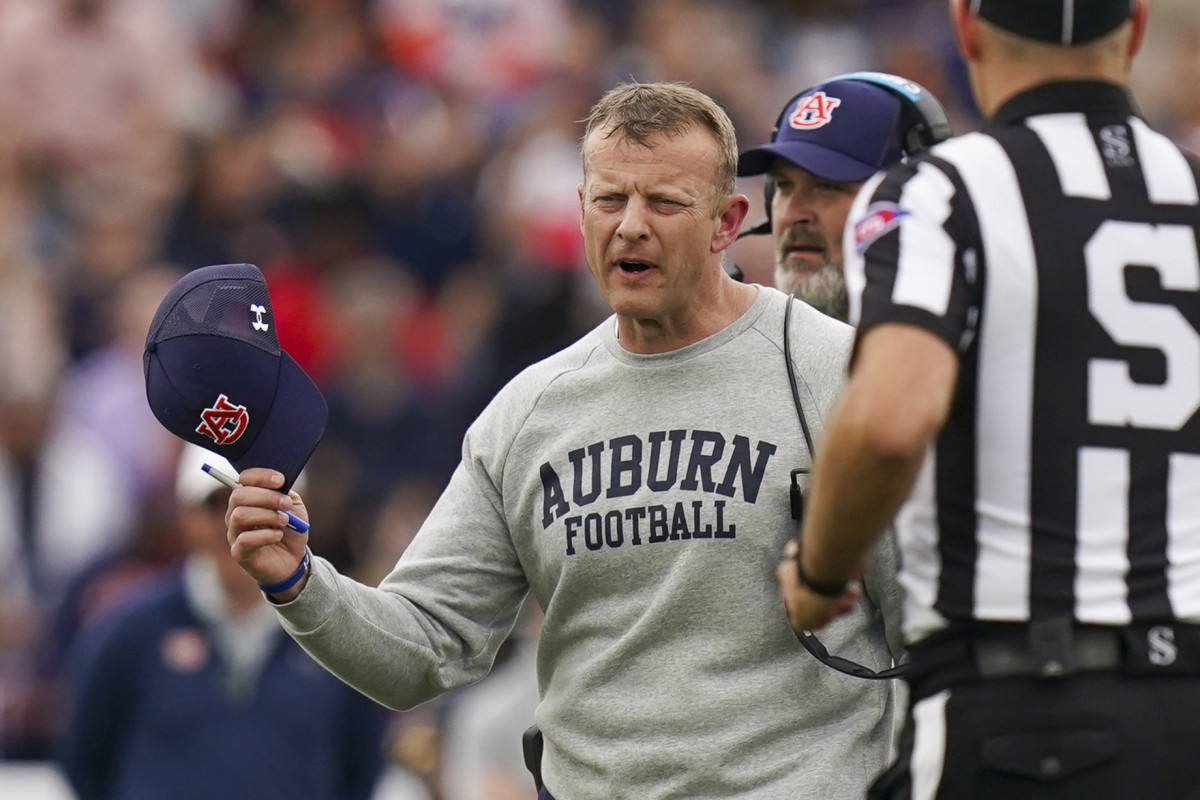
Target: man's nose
{"x":634,"y":221}
{"x":798,"y":207}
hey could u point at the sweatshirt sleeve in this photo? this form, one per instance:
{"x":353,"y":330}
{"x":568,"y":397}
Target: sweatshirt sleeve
{"x":436,"y":621}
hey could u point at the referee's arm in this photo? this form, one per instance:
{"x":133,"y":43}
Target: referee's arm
{"x":896,"y":400}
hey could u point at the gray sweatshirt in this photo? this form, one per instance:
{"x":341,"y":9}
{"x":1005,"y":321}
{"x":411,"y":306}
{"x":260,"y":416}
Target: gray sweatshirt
{"x":643,"y":499}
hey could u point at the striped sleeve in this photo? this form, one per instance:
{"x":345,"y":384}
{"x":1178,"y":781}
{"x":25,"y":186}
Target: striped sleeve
{"x":912,"y":253}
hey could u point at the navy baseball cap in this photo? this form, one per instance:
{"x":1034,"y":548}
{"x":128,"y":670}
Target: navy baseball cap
{"x":1062,"y":21}
{"x":842,"y":130}
{"x":217,"y":377}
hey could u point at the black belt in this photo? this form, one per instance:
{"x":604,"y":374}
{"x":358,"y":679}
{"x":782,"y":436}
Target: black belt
{"x":1052,"y":648}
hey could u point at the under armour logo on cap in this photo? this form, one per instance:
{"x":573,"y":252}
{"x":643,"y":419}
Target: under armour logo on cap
{"x":1062,"y":21}
{"x":258,"y":323}
{"x":217,"y":377}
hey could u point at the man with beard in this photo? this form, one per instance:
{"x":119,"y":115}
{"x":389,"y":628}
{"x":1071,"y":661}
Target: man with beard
{"x":829,"y":139}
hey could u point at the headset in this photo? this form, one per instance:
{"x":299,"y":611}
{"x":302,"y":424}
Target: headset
{"x":923,"y":123}
{"x":796,"y":495}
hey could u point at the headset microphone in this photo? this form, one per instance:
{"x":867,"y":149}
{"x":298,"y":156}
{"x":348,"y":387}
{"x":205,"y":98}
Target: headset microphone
{"x":761,"y":229}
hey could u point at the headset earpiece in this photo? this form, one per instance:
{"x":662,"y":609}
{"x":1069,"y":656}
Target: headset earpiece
{"x":929,"y":125}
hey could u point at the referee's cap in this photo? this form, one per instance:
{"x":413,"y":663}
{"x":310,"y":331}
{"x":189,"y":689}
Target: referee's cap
{"x":841,"y":130}
{"x":217,"y":377}
{"x":1064,"y":22}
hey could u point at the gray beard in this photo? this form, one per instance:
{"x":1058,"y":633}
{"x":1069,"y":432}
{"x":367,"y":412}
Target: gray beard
{"x":824,"y":290}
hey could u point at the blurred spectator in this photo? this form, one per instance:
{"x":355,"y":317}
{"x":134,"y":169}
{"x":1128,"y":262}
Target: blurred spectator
{"x":533,"y":246}
{"x":32,"y":357}
{"x":22,"y":212}
{"x":482,"y":754}
{"x":1168,"y":69}
{"x":386,"y":428}
{"x":103,"y":434}
{"x":479,"y":48}
{"x":809,"y":47}
{"x":715,"y":45}
{"x":315,"y":77}
{"x":105,"y":254}
{"x":425,"y":156}
{"x":226,"y":214}
{"x":192,"y":690}
{"x":414,"y":737}
{"x":80,"y":469}
{"x":90,"y":87}
{"x":149,"y":551}
{"x":529,"y":190}
{"x":152,"y":549}
{"x":325,"y":234}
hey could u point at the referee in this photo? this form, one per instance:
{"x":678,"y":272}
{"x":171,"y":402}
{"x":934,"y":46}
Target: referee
{"x":1023,"y":399}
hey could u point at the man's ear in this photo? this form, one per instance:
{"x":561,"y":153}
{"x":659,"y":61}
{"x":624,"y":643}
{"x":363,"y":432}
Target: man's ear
{"x":1141,"y":12}
{"x":966,"y":29}
{"x":733,"y":214}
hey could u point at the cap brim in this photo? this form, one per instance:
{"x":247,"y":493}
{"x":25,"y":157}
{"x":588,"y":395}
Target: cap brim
{"x":820,"y":161}
{"x":292,"y":429}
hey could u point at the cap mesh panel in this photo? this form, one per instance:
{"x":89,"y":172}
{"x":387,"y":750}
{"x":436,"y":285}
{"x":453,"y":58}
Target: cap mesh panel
{"x":223,"y":308}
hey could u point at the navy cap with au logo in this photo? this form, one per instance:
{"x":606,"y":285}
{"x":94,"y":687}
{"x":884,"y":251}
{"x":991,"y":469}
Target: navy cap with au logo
{"x":217,"y":377}
{"x":845,"y":129}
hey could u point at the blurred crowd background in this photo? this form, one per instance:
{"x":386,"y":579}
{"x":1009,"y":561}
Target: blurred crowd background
{"x":404,"y":172}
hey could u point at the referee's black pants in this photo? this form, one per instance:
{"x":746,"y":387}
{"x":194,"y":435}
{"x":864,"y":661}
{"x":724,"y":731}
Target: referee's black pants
{"x":1106,"y":734}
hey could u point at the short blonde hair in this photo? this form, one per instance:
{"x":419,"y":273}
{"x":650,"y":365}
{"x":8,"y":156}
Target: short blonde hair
{"x":640,"y":111}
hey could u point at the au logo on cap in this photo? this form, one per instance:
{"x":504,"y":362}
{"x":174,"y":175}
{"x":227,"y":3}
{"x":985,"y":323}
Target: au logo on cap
{"x":813,"y":111}
{"x":223,"y":422}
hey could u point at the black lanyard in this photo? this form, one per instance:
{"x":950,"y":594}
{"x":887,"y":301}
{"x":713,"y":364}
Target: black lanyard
{"x":811,"y":643}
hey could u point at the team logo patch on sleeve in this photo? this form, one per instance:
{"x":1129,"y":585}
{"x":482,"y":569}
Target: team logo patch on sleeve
{"x":881,"y":218}
{"x":223,"y":422}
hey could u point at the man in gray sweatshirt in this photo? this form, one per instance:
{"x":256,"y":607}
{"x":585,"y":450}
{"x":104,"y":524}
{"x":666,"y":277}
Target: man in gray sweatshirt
{"x":637,"y":483}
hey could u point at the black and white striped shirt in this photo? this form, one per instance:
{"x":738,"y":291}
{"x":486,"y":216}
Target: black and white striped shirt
{"x":1056,"y":251}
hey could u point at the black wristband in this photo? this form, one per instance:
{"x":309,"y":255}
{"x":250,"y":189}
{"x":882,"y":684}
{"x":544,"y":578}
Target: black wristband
{"x":829,"y":589}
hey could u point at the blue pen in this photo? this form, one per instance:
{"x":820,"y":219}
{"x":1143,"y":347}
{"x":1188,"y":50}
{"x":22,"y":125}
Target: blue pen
{"x":294,"y":522}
